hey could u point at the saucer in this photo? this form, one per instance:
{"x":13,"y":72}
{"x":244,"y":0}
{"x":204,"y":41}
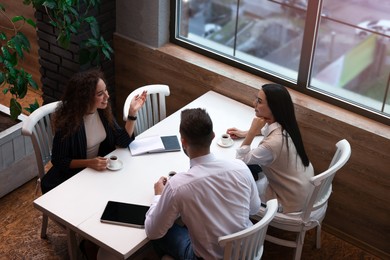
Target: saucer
{"x":120,"y":164}
{"x":219,"y":142}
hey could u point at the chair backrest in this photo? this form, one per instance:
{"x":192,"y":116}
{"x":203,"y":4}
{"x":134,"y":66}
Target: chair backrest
{"x":249,"y":243}
{"x":38,"y":127}
{"x":154,"y":109}
{"x":322,"y":183}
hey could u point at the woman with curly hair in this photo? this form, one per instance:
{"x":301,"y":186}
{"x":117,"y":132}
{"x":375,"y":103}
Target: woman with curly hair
{"x":286,"y":168}
{"x":85,"y":129}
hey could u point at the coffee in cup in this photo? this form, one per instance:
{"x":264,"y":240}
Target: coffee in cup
{"x":226,"y":139}
{"x":113,"y":161}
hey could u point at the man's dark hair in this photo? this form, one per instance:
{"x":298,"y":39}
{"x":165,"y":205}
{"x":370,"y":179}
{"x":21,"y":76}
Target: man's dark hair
{"x":196,"y":127}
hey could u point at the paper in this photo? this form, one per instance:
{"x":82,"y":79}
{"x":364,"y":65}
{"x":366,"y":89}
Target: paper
{"x":146,"y":145}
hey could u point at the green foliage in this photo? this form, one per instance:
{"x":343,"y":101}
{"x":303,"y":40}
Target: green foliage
{"x":13,"y":79}
{"x":69,"y":17}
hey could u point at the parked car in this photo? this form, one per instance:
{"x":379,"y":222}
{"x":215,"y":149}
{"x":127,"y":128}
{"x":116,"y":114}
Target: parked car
{"x":381,"y":26}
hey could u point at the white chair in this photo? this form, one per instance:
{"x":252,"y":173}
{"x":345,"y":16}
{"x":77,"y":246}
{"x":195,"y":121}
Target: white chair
{"x":154,"y":109}
{"x":315,"y":207}
{"x":38,"y":127}
{"x":249,"y":243}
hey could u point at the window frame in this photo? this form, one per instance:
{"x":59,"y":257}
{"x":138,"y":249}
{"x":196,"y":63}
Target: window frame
{"x":312,"y":22}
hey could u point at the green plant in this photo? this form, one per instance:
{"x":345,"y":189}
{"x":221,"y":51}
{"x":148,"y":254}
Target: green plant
{"x":13,"y":79}
{"x":69,"y":17}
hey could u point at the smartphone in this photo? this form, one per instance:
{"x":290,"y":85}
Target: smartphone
{"x":126,"y":214}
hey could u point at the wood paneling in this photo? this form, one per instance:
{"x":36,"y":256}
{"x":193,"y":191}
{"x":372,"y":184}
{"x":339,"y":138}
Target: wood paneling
{"x":358,"y":210}
{"x":30,"y":62}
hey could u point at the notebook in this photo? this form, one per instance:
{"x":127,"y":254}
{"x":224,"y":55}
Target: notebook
{"x":126,"y":214}
{"x":154,"y":144}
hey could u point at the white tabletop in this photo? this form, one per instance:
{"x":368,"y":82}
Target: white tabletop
{"x":79,"y":202}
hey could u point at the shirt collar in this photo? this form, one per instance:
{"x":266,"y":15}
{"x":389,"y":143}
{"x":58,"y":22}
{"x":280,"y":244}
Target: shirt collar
{"x":267,"y":129}
{"x":202,"y":159}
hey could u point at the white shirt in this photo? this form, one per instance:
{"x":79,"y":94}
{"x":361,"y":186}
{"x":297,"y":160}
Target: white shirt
{"x":214,"y":198}
{"x":260,"y":155}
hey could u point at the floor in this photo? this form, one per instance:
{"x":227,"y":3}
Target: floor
{"x":21,"y":222}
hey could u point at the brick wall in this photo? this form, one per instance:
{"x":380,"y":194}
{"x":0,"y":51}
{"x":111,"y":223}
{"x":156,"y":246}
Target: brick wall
{"x":58,"y":64}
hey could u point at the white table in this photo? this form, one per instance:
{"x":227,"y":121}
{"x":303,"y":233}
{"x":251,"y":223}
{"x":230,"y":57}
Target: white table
{"x":79,"y":202}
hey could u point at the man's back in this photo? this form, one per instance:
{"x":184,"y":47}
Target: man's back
{"x":214,"y":198}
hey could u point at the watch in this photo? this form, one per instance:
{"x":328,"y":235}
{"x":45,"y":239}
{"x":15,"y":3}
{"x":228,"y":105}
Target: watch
{"x":132,"y":118}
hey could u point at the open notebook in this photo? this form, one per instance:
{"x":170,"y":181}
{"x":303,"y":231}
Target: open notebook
{"x":155,"y":144}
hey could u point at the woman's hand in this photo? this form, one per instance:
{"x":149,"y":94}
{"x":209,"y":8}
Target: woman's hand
{"x":254,"y":130}
{"x":256,"y":126}
{"x":236,"y":133}
{"x":98,"y":163}
{"x":160,"y":185}
{"x":137,"y":102}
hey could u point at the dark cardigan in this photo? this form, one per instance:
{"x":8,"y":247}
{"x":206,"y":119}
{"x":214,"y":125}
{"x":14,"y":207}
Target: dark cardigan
{"x":74,"y":146}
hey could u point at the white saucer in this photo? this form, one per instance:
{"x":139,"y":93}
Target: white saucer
{"x":115,"y":168}
{"x":219,"y":142}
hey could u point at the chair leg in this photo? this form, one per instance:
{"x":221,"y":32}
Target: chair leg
{"x":318,"y":237}
{"x":45,"y":220}
{"x":300,"y":241}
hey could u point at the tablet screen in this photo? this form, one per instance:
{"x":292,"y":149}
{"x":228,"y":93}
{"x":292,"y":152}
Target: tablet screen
{"x":124,"y":214}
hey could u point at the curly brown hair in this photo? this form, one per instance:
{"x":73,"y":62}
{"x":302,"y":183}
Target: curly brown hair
{"x":77,"y":99}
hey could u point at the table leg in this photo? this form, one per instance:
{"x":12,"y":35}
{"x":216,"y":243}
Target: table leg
{"x":72,"y":244}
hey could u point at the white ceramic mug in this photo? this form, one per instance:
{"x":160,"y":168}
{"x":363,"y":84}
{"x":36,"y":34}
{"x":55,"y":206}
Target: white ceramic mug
{"x":226,"y":139}
{"x":113,"y":161}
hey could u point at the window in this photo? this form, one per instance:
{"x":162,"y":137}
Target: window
{"x":338,"y":51}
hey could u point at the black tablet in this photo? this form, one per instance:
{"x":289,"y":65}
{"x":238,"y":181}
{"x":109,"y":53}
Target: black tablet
{"x":126,"y":214}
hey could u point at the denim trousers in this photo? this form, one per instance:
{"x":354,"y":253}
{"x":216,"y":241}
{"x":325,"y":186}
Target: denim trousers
{"x":176,"y":243}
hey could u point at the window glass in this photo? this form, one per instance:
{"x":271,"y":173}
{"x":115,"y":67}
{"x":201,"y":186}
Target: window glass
{"x":352,"y":55}
{"x":346,"y":53}
{"x":263,"y":33}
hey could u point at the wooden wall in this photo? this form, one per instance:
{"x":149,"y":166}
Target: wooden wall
{"x":14,"y":8}
{"x":358,"y":210}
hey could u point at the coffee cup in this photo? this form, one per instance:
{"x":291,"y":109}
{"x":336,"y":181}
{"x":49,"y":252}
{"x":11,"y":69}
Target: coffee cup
{"x":113,"y":161}
{"x":226,"y":139}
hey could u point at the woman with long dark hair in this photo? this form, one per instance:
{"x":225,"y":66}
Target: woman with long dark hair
{"x":85,"y":129}
{"x":286,"y":168}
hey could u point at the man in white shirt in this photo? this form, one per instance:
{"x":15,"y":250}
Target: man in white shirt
{"x":213,"y":198}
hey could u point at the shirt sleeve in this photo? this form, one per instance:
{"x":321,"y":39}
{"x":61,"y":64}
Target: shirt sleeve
{"x":255,"y":202}
{"x":122,"y":138}
{"x":259,"y":155}
{"x":161,"y":215}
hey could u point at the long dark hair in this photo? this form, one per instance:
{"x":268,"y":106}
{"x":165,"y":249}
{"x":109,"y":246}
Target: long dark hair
{"x":76,"y":101}
{"x":282,"y":108}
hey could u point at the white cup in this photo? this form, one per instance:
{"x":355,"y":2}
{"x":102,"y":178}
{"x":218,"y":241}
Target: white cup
{"x":113,"y":161}
{"x":226,"y":139}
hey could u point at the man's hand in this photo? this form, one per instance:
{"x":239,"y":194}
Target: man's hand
{"x":160,"y":185}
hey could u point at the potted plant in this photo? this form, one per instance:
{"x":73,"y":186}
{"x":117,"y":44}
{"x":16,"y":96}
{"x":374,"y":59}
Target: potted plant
{"x":70,"y":20}
{"x":13,"y":45}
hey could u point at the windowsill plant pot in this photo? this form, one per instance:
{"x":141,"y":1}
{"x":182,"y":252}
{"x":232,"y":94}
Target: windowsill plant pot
{"x":17,"y":158}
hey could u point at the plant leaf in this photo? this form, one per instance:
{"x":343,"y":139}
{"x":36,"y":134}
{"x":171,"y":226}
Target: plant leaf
{"x":31,"y":22}
{"x":15,"y":109}
{"x":17,"y":18}
{"x":32,"y":107}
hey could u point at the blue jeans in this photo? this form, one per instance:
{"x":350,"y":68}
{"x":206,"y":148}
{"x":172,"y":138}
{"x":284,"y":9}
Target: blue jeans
{"x":176,"y":243}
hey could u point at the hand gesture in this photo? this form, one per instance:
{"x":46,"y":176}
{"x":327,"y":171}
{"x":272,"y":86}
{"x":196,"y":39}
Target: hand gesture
{"x":137,"y":102}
